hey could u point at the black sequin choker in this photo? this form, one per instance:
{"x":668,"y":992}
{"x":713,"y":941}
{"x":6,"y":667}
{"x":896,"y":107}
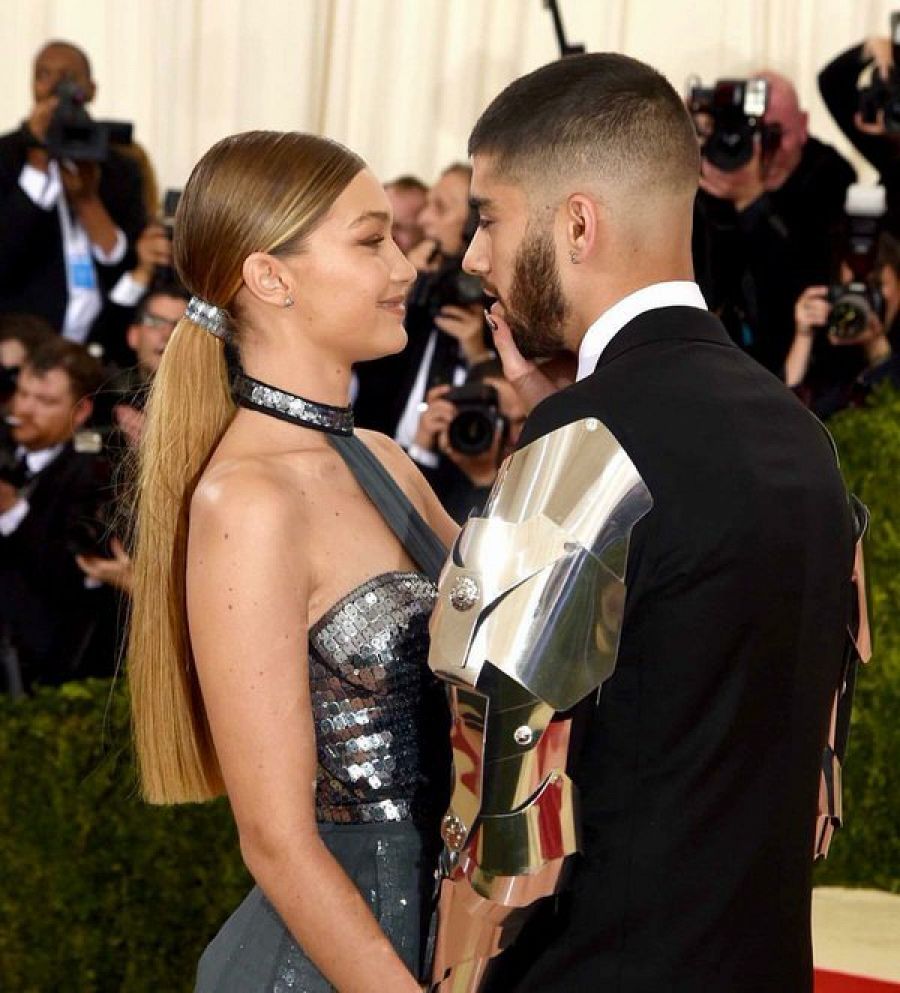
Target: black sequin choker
{"x":254,"y":395}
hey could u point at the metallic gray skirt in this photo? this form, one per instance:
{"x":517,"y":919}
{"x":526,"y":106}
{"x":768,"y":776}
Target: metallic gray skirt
{"x":391,"y":864}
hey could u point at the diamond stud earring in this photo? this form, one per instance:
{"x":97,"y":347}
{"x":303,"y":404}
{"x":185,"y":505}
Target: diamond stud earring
{"x":289,"y":301}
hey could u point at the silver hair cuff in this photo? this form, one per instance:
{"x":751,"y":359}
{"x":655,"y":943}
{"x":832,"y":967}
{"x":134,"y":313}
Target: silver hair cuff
{"x":208,"y":316}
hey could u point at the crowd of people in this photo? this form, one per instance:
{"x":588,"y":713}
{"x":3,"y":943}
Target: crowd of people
{"x":89,"y":298}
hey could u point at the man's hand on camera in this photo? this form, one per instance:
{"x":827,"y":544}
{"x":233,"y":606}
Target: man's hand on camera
{"x":881,"y":52}
{"x":742,"y":187}
{"x":153,"y":249}
{"x":80,"y":180}
{"x":480,"y":469}
{"x":9,"y":496}
{"x":435,"y":418}
{"x":466,"y":325}
{"x":811,"y":310}
{"x":38,"y":122}
{"x":114,"y":572}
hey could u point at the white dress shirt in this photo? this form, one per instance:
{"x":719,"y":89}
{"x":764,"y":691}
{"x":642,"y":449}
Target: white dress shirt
{"x":84,"y":301}
{"x":678,"y":293}
{"x":36,"y":462}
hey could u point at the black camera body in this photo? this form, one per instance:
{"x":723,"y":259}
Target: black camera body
{"x":851,"y":306}
{"x":9,"y":377}
{"x":884,"y":94}
{"x":12,"y":472}
{"x":735,"y":108}
{"x":472,"y":430}
{"x":448,"y":286}
{"x":853,"y":302}
{"x":74,"y":134}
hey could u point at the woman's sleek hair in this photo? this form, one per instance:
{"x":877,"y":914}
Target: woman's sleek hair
{"x":262,"y":191}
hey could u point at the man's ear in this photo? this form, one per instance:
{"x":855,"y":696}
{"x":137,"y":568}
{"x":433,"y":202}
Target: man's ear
{"x":584,"y":222}
{"x":267,"y":278}
{"x":81,"y":412}
{"x":131,"y":336}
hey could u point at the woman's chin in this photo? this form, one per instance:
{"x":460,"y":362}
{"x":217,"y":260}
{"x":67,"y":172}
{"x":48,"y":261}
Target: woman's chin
{"x":389,"y":341}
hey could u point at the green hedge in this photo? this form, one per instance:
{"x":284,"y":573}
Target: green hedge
{"x":100,"y":893}
{"x":867,"y":851}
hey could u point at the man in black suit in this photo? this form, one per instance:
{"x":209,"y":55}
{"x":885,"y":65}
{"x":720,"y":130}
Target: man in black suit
{"x":65,"y":228}
{"x":55,"y":624}
{"x":697,"y":764}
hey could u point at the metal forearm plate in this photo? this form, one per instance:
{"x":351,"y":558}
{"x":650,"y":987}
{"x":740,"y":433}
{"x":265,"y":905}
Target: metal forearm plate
{"x":527,"y":624}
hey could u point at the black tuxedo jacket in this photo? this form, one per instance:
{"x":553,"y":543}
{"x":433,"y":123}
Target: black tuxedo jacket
{"x":32,"y":266}
{"x":60,"y":629}
{"x":699,"y":761}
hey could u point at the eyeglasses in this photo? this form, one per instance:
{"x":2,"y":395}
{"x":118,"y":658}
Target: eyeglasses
{"x":155,"y":321}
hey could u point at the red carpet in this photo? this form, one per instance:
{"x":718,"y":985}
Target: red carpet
{"x":840,"y":982}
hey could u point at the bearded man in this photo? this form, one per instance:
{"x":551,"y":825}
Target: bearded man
{"x":644,"y":631}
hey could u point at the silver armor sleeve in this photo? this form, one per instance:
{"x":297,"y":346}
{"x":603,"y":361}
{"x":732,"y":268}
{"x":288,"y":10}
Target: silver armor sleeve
{"x":526,"y":625}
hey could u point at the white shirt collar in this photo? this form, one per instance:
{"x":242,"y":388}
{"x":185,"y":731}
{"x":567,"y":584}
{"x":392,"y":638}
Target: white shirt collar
{"x":677,"y":293}
{"x":39,"y":460}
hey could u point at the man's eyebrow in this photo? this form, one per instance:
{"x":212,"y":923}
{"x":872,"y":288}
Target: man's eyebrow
{"x":480,"y":203}
{"x":371,"y":215}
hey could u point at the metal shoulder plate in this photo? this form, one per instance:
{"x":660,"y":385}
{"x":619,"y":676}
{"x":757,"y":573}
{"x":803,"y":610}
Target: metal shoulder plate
{"x":536,"y":585}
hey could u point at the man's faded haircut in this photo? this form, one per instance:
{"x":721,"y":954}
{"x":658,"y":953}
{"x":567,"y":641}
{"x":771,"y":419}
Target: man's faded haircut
{"x":599,"y":115}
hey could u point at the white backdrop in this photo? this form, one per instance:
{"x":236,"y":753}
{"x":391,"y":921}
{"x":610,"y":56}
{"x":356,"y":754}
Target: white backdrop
{"x":400,"y":81}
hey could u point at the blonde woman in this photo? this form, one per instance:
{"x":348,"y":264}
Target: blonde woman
{"x":284,"y":571}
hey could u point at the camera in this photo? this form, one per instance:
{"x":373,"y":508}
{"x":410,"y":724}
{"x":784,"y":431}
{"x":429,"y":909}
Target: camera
{"x":90,"y":532}
{"x":472,"y":430}
{"x":13,"y":471}
{"x":449,"y":285}
{"x":9,"y":376}
{"x":735,"y":108}
{"x":853,"y":302}
{"x":165,"y":274}
{"x":884,"y":94}
{"x":74,"y":134}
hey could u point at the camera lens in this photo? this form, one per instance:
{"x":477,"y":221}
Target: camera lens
{"x":849,"y":316}
{"x":729,"y":148}
{"x":471,"y":432}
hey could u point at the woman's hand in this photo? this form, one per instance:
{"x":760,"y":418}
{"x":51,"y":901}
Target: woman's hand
{"x":811,"y":310}
{"x":466,"y":325}
{"x":524,"y":376}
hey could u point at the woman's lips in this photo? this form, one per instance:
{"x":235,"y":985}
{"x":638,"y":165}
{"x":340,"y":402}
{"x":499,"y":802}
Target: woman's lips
{"x":396,"y":306}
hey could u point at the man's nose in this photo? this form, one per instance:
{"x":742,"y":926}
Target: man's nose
{"x":476,"y":261}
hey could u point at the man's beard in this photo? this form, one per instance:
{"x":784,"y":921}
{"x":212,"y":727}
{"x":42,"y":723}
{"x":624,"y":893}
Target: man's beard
{"x":535,"y":309}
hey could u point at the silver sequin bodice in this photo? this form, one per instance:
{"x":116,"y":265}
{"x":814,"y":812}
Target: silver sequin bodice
{"x":381,"y":724}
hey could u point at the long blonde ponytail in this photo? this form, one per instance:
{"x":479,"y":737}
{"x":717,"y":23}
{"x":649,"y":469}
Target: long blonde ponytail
{"x":259,"y":191}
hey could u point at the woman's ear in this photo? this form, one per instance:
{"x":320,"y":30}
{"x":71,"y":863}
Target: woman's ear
{"x":267,"y":279}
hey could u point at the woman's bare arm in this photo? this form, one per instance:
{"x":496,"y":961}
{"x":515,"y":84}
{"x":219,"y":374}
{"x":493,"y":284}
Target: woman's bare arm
{"x":248,"y":592}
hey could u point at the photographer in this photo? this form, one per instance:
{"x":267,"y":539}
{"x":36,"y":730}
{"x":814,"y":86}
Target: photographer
{"x":57,"y":624}
{"x":464,"y":434}
{"x":861,"y":112}
{"x":20,"y":335}
{"x":833,"y":363}
{"x":763,"y":229}
{"x":65,"y":226}
{"x":444,"y":318}
{"x":406,"y":195}
{"x":111,"y":330}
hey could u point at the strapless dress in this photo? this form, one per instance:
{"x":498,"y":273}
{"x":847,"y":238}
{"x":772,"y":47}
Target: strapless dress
{"x":382,"y":784}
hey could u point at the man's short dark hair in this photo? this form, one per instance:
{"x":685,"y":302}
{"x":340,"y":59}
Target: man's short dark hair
{"x":29,"y":330}
{"x":407,"y":183}
{"x":888,"y":252}
{"x":80,"y":52}
{"x":600,"y":114}
{"x":85,"y":373}
{"x":167,"y":288}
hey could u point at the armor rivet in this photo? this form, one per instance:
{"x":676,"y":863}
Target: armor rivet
{"x":453,"y":832}
{"x":591,"y":424}
{"x":464,"y":593}
{"x":523,"y":735}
